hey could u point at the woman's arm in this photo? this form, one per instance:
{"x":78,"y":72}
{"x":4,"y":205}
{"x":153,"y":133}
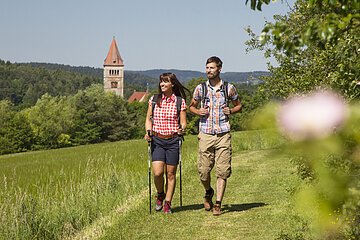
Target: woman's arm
{"x":148,"y":122}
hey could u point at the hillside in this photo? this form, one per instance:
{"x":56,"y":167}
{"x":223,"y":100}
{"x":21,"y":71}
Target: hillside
{"x":24,"y":83}
{"x":186,"y":75}
{"x":151,"y":76}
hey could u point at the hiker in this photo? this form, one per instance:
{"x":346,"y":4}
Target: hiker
{"x":166,"y":121}
{"x":214,"y":131}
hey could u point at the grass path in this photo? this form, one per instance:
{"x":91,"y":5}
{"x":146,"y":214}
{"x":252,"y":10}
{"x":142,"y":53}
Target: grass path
{"x":257,"y":205}
{"x":96,"y":229}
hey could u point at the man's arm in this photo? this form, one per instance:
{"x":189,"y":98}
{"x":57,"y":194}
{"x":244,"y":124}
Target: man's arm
{"x":235,"y":109}
{"x":198,"y":111}
{"x":237,"y":106}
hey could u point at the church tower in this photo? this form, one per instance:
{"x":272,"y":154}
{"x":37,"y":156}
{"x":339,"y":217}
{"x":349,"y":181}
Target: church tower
{"x":114,"y":71}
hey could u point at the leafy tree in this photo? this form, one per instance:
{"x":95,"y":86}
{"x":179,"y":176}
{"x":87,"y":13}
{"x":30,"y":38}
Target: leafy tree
{"x":87,"y":125}
{"x":326,"y":22}
{"x":137,"y":114}
{"x":308,"y":55}
{"x":118,"y":125}
{"x":15,"y":131}
{"x":51,"y":120}
{"x":99,"y":116}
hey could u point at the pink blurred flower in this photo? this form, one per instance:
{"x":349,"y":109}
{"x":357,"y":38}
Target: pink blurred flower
{"x":316,"y":115}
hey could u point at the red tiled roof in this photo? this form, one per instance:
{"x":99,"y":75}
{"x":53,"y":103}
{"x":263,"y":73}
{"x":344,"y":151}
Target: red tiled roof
{"x":113,"y":57}
{"x":137,"y":96}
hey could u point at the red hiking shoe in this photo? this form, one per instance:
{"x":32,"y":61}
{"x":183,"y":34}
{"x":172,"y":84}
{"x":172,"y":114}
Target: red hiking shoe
{"x":159,"y":201}
{"x":167,"y":207}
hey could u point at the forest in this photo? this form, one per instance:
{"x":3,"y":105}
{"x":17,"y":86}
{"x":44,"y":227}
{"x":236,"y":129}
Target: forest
{"x":43,"y":107}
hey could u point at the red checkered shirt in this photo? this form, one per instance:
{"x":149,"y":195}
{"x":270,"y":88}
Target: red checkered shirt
{"x":165,"y":119}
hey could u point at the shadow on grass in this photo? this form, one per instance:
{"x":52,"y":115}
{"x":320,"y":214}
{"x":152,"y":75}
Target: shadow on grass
{"x":241,"y":207}
{"x":225,"y":208}
{"x":188,"y":208}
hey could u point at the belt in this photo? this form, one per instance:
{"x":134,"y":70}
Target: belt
{"x":165,"y":136}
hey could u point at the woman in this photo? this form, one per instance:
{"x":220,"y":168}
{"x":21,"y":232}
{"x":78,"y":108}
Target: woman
{"x":165,"y":126}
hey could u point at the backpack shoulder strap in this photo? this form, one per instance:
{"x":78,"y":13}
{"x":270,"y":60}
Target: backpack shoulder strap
{"x":178,"y":104}
{"x":203,"y":93}
{"x":153,"y":103}
{"x":226,"y":92}
{"x":178,"y":110}
{"x":178,"y":107}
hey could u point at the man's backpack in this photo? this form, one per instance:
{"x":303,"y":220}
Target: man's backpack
{"x":178,"y":105}
{"x":204,"y":92}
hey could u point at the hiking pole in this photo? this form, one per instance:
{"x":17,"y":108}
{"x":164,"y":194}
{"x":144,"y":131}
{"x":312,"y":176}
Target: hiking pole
{"x":180,"y":143}
{"x":149,"y":169}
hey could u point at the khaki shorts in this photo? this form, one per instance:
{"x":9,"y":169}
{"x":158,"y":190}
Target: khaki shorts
{"x":214,"y":150}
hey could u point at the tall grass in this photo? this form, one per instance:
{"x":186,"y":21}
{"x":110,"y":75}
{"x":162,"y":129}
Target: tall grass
{"x":55,"y":194}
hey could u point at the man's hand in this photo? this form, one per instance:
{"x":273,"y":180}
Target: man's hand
{"x":203,"y":111}
{"x":226,"y":111}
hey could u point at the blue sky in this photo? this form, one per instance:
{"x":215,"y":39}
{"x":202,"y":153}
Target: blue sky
{"x":154,"y":34}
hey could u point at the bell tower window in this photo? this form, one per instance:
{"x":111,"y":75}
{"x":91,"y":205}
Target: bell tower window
{"x":114,"y":84}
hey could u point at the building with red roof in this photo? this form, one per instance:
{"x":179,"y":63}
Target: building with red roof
{"x":138,"y":96}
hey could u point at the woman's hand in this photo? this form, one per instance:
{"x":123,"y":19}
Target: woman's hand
{"x":181,"y":131}
{"x":147,"y":136}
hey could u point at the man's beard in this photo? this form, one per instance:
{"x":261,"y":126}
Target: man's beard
{"x":211,"y":76}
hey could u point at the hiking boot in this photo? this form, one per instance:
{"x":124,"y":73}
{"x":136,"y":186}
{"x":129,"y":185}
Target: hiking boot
{"x":167,"y":207}
{"x":217,"y":210}
{"x":208,"y":204}
{"x":159,"y":201}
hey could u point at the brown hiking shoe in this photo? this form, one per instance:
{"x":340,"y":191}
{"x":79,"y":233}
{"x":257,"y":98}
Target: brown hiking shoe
{"x":217,"y":210}
{"x":208,"y":204}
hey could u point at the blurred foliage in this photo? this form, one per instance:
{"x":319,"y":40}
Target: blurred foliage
{"x":330,"y":167}
{"x":316,"y":45}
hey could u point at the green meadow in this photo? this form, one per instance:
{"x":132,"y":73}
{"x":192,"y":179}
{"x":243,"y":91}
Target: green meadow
{"x":101,"y":192}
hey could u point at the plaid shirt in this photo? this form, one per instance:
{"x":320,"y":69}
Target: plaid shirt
{"x":165,"y":119}
{"x":216,"y":122}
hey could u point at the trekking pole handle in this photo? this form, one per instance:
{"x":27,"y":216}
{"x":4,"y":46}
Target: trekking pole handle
{"x":149,"y":134}
{"x":182,"y":129}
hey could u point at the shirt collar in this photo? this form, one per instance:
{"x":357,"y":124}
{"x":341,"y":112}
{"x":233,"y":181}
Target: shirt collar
{"x":168,"y":99}
{"x":221,"y":84}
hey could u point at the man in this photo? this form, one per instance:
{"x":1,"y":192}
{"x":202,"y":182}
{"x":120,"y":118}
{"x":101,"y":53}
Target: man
{"x":214,"y":131}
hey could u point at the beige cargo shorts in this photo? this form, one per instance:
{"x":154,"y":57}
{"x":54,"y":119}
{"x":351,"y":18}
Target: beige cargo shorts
{"x":214,"y":150}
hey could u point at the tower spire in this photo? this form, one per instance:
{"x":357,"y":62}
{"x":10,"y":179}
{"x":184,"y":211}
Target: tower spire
{"x":113,"y":57}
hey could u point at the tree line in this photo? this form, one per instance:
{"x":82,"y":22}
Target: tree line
{"x":43,"y":107}
{"x":24,"y":83}
{"x":89,"y":116}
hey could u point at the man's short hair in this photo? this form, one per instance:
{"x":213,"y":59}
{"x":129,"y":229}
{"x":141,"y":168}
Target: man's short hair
{"x":216,"y":60}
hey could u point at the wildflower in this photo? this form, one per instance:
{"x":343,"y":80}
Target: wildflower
{"x":314,"y":116}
